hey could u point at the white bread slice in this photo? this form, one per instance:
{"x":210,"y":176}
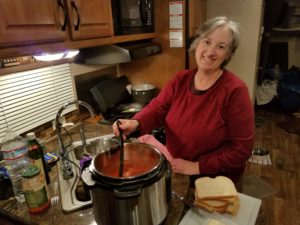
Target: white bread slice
{"x":231,"y":199}
{"x":213,"y":203}
{"x":212,"y":188}
{"x":217,"y":195}
{"x":234,"y":207}
{"x":228,"y":208}
{"x":210,"y":209}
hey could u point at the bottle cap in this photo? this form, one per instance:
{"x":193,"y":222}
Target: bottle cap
{"x":31,"y":171}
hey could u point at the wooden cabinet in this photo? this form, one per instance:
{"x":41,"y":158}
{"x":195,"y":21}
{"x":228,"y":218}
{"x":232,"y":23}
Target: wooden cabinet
{"x":29,"y":27}
{"x":89,"y":19}
{"x":43,"y":21}
{"x":31,"y":22}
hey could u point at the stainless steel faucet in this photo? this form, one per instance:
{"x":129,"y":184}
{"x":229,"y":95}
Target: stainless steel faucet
{"x":65,"y":162}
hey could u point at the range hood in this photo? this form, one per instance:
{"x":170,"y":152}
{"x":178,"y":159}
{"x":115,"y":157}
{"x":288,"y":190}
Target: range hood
{"x":114,"y":54}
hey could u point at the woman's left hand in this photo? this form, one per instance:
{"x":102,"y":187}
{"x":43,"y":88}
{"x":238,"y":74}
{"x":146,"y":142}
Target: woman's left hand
{"x":184,"y":167}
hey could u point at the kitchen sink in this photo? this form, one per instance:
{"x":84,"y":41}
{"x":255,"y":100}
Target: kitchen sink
{"x":73,"y":193}
{"x":94,"y":146}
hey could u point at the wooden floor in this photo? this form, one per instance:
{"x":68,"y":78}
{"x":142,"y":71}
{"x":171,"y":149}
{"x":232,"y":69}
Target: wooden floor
{"x":277,"y":132}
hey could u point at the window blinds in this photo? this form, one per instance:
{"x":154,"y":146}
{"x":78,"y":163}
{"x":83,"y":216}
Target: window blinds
{"x":31,"y":98}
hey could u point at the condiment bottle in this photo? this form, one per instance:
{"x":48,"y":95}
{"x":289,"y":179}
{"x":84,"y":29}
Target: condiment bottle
{"x":36,"y":154}
{"x":35,"y":190}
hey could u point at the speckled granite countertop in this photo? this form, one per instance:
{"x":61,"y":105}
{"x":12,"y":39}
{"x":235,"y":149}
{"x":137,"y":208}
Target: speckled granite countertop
{"x":54,"y":215}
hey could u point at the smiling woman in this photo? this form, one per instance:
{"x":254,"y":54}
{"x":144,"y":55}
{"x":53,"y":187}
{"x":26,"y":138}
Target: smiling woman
{"x":206,"y":112}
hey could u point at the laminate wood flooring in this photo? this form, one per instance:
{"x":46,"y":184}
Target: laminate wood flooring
{"x":279,"y":133}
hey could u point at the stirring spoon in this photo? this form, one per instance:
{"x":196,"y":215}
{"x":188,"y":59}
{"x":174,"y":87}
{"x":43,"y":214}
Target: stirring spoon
{"x":121,"y":149}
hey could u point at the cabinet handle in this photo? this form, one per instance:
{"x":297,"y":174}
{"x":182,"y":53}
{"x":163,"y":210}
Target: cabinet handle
{"x":78,"y":16}
{"x":61,"y":5}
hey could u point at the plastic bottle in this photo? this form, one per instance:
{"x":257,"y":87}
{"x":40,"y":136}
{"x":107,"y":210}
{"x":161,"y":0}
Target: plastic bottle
{"x":14,"y":150}
{"x":36,"y":154}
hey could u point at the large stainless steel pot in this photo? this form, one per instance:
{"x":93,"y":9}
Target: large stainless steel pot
{"x":143,"y":93}
{"x":140,"y":197}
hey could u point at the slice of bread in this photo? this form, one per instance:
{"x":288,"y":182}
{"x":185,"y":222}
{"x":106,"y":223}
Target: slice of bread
{"x":211,"y":188}
{"x":216,"y":195}
{"x":215,"y":203}
{"x":210,"y":208}
{"x":234,"y":207}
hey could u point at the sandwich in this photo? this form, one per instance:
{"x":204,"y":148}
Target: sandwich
{"x":216,"y":195}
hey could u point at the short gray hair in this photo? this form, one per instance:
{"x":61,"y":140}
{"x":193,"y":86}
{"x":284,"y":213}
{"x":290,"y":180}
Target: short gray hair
{"x":214,"y":23}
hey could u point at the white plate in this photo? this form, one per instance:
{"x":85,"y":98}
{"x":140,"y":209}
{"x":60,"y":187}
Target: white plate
{"x":246,"y":215}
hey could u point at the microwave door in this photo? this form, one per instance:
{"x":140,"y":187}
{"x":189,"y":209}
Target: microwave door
{"x":145,"y":10}
{"x":130,"y":13}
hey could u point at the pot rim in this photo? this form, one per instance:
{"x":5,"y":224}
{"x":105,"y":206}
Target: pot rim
{"x":97,"y":173}
{"x":142,"y":87}
{"x":122,"y":184}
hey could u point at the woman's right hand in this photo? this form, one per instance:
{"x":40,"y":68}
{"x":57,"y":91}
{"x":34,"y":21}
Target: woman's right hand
{"x":127,"y":125}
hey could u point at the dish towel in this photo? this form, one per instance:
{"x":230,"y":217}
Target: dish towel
{"x":151,"y":140}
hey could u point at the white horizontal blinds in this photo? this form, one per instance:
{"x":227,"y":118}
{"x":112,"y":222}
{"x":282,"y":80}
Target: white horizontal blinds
{"x":32,"y":98}
{"x":63,"y":85}
{"x":2,"y":121}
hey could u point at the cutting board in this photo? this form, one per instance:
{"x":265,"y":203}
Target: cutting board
{"x":246,"y":215}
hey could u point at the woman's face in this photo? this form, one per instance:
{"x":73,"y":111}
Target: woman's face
{"x":213,"y":49}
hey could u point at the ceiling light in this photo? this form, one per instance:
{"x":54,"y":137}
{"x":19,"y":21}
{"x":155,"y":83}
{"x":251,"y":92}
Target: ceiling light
{"x":57,"y":55}
{"x":71,"y":53}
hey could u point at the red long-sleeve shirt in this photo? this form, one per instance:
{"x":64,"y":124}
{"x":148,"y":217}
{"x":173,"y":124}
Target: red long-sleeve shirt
{"x":214,"y":127}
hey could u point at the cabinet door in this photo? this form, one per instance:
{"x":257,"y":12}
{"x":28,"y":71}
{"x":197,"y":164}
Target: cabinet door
{"x":31,"y":21}
{"x":90,"y":19}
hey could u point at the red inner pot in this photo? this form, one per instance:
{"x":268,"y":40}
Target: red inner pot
{"x":139,"y":159}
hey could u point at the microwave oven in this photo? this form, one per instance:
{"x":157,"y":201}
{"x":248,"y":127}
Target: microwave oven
{"x":133,"y":16}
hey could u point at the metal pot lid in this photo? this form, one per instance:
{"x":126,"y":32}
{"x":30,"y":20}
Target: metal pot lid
{"x":140,"y":159}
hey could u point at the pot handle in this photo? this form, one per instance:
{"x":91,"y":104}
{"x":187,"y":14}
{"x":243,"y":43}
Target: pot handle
{"x":169,"y":182}
{"x":127,"y":193}
{"x":87,"y":178}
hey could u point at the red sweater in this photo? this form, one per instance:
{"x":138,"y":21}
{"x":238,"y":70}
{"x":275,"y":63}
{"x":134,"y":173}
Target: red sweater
{"x":215,"y":127}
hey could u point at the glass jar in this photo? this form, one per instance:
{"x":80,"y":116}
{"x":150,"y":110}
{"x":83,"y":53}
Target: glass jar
{"x":35,"y":190}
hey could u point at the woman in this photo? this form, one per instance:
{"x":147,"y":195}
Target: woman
{"x":206,"y":112}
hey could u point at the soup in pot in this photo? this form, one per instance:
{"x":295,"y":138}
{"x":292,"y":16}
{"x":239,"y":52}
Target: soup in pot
{"x":139,"y":159}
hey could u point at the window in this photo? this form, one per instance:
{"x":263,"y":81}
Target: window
{"x":31,"y":98}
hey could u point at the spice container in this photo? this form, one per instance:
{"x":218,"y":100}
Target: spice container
{"x":35,"y":189}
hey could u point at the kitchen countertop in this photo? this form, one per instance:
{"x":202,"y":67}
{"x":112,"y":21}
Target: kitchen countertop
{"x":55,"y":215}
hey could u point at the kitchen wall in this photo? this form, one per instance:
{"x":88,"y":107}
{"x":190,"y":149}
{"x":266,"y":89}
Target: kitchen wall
{"x":249,"y":14}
